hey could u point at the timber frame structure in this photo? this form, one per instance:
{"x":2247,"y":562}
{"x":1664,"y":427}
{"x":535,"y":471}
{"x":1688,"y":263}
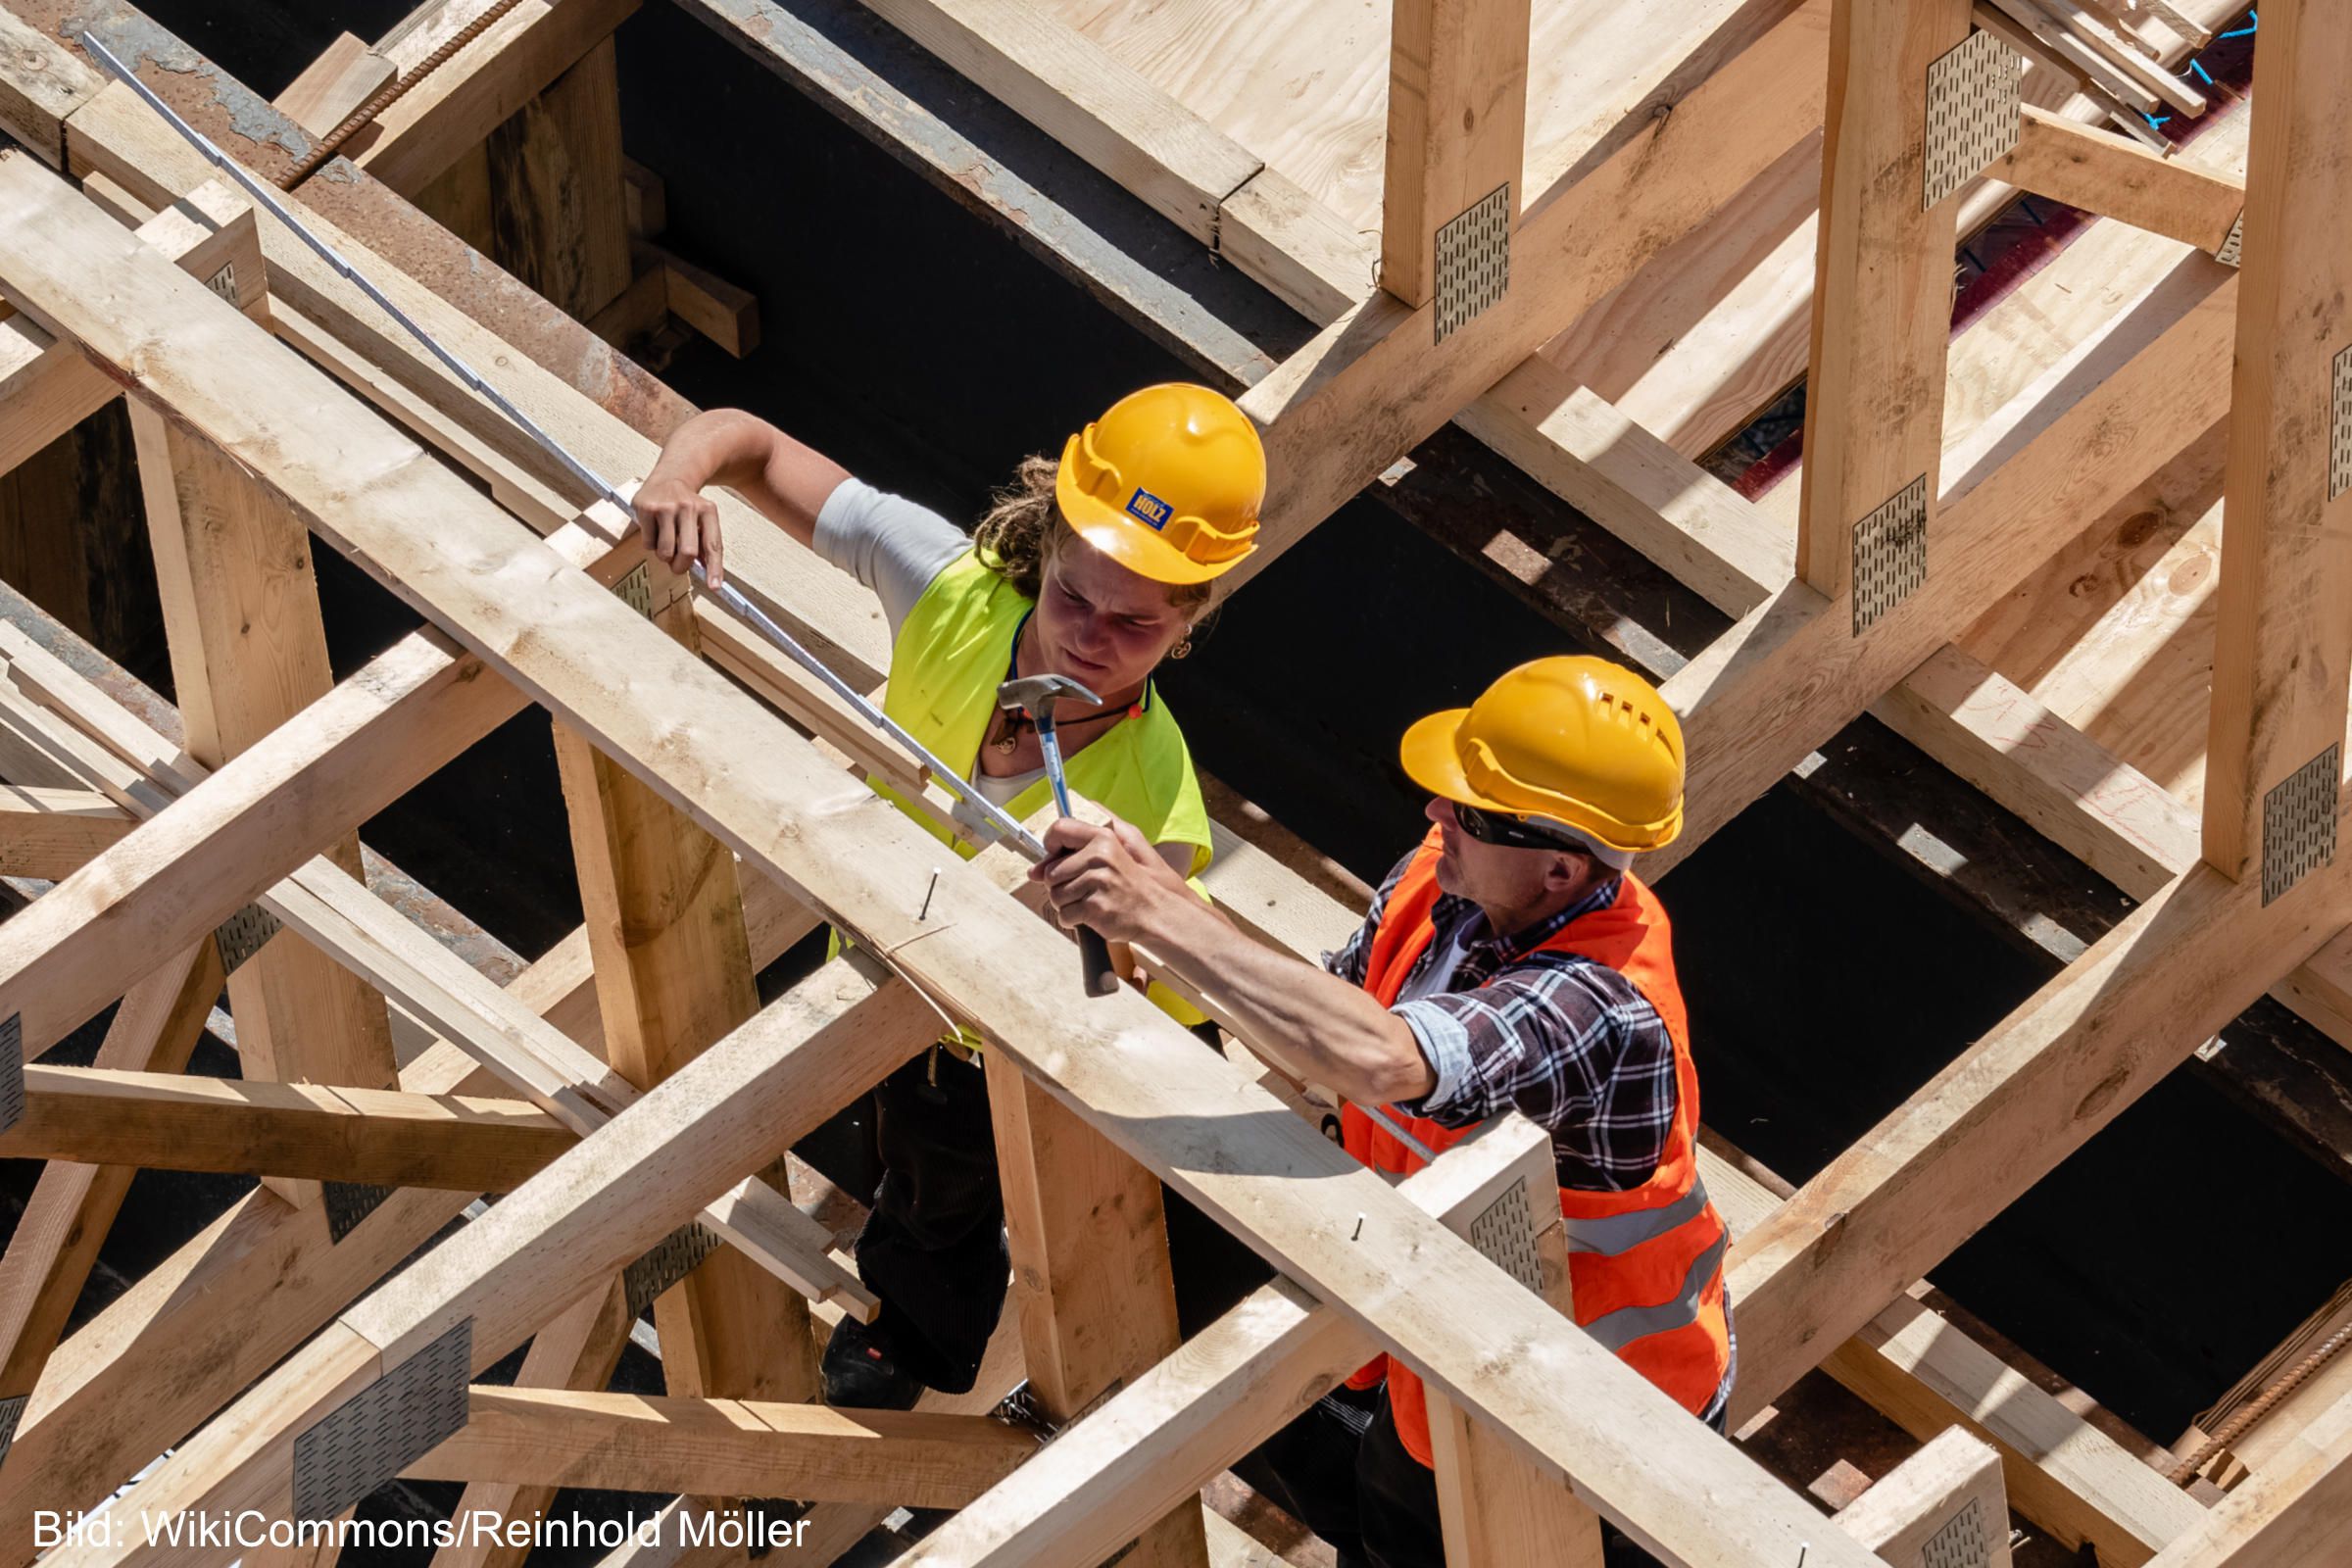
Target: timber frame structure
{"x":633,"y":1100}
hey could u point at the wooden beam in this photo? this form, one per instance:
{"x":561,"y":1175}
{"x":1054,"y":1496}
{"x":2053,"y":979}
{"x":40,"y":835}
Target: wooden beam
{"x":2115,"y":177}
{"x":1457,"y":129}
{"x":1092,"y":1280}
{"x":1369,"y":387}
{"x":1943,"y":1504}
{"x":166,"y":1120}
{"x":2282,"y":647}
{"x":727,"y":1447}
{"x":556,"y":215}
{"x":765,"y":793}
{"x":53,"y":833}
{"x":1881,"y":300}
{"x":487,"y":81}
{"x":42,"y":86}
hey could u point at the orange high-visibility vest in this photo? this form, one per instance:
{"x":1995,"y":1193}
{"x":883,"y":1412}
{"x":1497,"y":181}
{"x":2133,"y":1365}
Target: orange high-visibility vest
{"x":1646,"y":1265}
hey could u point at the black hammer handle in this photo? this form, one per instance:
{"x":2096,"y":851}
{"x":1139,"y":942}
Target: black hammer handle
{"x":1095,"y":955}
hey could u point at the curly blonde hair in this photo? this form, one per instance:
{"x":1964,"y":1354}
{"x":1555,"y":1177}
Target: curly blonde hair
{"x":1023,"y":529}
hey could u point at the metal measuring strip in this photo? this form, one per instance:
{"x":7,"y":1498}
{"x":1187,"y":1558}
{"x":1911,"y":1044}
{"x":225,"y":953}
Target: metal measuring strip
{"x":984,"y":815}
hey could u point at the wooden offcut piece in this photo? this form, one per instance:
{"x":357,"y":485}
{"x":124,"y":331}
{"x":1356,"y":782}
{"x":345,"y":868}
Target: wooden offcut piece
{"x":346,"y":75}
{"x":1942,"y":1508}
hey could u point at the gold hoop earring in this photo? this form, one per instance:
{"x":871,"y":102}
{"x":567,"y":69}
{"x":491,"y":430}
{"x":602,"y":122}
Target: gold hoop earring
{"x":1183,"y":648}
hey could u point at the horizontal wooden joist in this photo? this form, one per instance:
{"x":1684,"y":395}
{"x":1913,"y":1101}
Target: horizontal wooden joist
{"x":725,"y":1447}
{"x":2102,"y":173}
{"x":385,"y":1136}
{"x":717,"y":754}
{"x":53,"y":833}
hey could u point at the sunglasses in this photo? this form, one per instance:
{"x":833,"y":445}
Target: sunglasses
{"x":1514,"y":832}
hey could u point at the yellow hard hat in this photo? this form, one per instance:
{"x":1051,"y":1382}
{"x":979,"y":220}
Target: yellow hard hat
{"x":1577,"y":740}
{"x":1168,"y":483}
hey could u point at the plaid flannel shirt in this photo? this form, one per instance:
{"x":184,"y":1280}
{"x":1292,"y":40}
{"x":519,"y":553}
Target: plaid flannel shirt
{"x":1566,"y":1041}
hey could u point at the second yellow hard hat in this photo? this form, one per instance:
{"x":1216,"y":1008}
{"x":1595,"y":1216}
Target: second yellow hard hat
{"x":1168,"y":483}
{"x":1575,"y":739}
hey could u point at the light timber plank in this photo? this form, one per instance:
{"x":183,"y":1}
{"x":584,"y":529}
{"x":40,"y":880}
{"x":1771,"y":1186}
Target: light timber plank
{"x":169,"y":1121}
{"x":44,"y":82}
{"x":2290,"y":1514}
{"x":749,"y":1448}
{"x":2282,"y":650}
{"x":346,"y":75}
{"x":2103,"y":173}
{"x":1457,"y":128}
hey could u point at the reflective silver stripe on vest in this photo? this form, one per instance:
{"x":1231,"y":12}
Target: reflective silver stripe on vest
{"x":1621,"y":1328}
{"x":1615,"y":1234}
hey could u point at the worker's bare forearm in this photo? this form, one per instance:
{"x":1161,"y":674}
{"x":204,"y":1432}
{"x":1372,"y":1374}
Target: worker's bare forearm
{"x":784,"y":478}
{"x":1315,"y":1025}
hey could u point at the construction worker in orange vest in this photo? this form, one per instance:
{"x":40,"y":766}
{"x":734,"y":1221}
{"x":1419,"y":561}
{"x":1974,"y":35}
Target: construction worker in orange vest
{"x":1512,"y":962}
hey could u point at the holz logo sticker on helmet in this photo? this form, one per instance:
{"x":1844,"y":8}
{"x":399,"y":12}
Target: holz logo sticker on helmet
{"x":1151,"y":509}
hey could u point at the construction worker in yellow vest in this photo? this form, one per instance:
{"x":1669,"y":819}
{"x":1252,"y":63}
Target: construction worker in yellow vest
{"x":1511,"y":961}
{"x":1095,"y":566}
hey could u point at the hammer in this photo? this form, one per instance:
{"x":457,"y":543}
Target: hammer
{"x":1037,"y":695}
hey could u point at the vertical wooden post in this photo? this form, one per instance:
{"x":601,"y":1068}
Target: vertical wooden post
{"x":557,"y":217}
{"x":248,"y":652}
{"x":1091,"y":1277}
{"x":2283,"y":648}
{"x":1457,"y":128}
{"x":1881,"y":302}
{"x":1499,"y":1509}
{"x":673,"y":975}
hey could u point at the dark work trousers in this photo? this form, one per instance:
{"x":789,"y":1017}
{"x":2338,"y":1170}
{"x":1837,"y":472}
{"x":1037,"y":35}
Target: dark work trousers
{"x":933,"y":1251}
{"x":1340,"y":1470}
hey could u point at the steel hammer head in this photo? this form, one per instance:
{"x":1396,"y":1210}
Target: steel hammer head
{"x":1039,"y":693}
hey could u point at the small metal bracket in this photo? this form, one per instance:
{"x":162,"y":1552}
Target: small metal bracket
{"x":1890,"y":554}
{"x":11,"y":1410}
{"x":225,"y":282}
{"x":1973,"y":113}
{"x":664,"y":1263}
{"x":1961,"y":1542}
{"x":1474,"y":261}
{"x":1505,"y":1232}
{"x":2298,"y":822}
{"x":2228,"y":253}
{"x":12,"y":1070}
{"x":379,"y":1431}
{"x":348,"y":1202}
{"x":2339,"y":428}
{"x":636,"y":589}
{"x":244,"y":934}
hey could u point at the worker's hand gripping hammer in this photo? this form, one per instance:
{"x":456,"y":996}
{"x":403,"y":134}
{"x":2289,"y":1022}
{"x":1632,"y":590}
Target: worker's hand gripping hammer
{"x":1035,"y":694}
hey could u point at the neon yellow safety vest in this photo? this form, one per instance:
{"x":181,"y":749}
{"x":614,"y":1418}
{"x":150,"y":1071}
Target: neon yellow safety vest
{"x":950,"y":656}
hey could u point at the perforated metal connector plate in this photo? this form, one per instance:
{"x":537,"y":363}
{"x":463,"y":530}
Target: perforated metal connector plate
{"x":1973,"y":113}
{"x":225,"y":282}
{"x":376,"y":1434}
{"x":244,"y":934}
{"x":664,"y":1263}
{"x":12,"y":1070}
{"x":1505,"y":1232}
{"x":2298,"y":822}
{"x":636,"y":590}
{"x":1962,"y":1542}
{"x":2339,"y":427}
{"x":1474,"y":261}
{"x":348,"y":1202}
{"x":1890,"y":554}
{"x":2228,"y":253}
{"x":11,"y":1410}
